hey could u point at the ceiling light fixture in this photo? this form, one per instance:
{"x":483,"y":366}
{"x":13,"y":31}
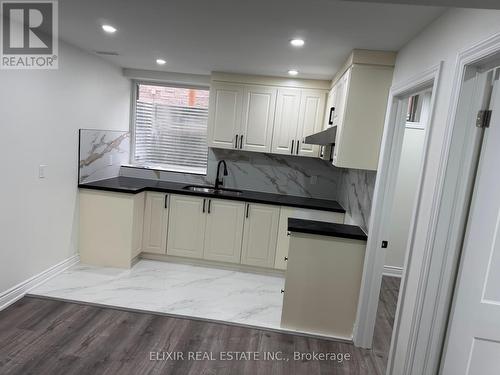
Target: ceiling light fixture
{"x":109,"y":29}
{"x":161,"y":61}
{"x":297,"y":42}
{"x":293,"y":72}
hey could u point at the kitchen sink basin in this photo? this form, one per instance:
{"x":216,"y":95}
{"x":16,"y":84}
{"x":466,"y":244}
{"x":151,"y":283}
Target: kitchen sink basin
{"x":211,"y":190}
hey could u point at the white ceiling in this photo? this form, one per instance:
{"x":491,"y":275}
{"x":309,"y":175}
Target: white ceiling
{"x":481,"y":4}
{"x":240,"y":36}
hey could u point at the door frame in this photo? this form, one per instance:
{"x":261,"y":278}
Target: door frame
{"x":392,"y":142}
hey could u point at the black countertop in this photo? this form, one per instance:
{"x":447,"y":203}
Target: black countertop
{"x":136,"y":185}
{"x":326,"y":229}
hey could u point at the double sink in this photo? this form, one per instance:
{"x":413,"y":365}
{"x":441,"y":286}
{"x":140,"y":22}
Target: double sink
{"x":212,"y":190}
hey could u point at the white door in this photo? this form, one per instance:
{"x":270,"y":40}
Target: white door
{"x":312,"y":107}
{"x":473,"y":342}
{"x":154,"y":238}
{"x":259,"y":104}
{"x":224,"y":230}
{"x":186,"y":231}
{"x":224,"y":121}
{"x":260,"y":235}
{"x":286,"y":120}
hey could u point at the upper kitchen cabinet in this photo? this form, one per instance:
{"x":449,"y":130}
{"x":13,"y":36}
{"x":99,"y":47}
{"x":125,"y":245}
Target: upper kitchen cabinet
{"x":259,"y":104}
{"x":265,"y":114}
{"x":360,"y":91}
{"x":299,"y":113}
{"x":225,"y":107}
{"x":312,"y":104}
{"x":286,"y":120}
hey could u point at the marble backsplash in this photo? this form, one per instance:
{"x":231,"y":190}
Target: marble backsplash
{"x":282,"y":174}
{"x":355,"y":194}
{"x":102,"y":152}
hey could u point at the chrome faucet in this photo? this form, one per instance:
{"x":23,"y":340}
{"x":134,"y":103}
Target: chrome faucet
{"x":220,"y":182}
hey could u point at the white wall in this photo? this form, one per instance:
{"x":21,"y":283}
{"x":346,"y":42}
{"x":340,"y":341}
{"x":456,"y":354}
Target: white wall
{"x":40,"y":113}
{"x":451,"y":33}
{"x":404,"y":196}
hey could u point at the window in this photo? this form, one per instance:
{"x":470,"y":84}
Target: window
{"x":170,"y":128}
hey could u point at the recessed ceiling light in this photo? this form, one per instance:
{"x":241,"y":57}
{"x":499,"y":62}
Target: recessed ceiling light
{"x":293,"y":72}
{"x":297,"y":42}
{"x":109,"y":29}
{"x":161,"y":61}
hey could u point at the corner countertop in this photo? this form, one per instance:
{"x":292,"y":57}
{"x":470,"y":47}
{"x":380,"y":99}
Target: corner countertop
{"x":326,"y":229}
{"x":136,"y":185}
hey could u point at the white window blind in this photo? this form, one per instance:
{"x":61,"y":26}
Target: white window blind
{"x":171,"y":128}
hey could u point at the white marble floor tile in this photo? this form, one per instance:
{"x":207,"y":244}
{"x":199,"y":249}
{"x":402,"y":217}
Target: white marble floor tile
{"x":195,"y":291}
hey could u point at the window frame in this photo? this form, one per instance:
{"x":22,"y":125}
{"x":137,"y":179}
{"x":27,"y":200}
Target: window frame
{"x":134,"y":88}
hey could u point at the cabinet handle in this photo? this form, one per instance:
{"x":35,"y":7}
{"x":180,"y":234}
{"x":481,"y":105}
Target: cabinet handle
{"x":291,"y":152}
{"x":285,"y":258}
{"x":209,"y":205}
{"x":236,"y":141}
{"x":166,"y":198}
{"x":204,"y":205}
{"x":282,"y":291}
{"x":298,"y":144}
{"x":241,"y":142}
{"x":248,"y":207}
{"x":330,"y":118}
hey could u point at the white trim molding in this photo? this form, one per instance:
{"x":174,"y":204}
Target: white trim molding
{"x":388,"y":167}
{"x":393,"y":271}
{"x":18,"y":291}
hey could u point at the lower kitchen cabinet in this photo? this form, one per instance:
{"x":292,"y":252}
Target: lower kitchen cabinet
{"x":154,"y":238}
{"x":110,"y":227}
{"x":186,"y":230}
{"x":298,"y":213}
{"x":224,"y":230}
{"x":260,"y":235}
{"x":322,"y":284}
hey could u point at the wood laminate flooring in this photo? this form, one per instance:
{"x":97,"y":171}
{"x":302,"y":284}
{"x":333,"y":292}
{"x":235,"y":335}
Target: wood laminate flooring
{"x":42,"y":336}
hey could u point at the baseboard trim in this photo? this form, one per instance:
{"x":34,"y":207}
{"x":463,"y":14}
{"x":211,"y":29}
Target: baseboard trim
{"x":393,"y":271}
{"x":18,"y":291}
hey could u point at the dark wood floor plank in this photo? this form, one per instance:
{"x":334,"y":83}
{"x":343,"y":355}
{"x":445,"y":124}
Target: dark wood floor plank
{"x":40,"y":336}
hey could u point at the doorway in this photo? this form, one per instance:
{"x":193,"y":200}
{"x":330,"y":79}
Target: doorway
{"x":399,"y":207}
{"x":400,"y":111}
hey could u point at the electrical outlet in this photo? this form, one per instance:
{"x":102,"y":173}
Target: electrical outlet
{"x":313,"y":180}
{"x":41,"y":170}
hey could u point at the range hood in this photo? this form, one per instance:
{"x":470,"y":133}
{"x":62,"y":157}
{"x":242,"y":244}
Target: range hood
{"x":326,"y":137}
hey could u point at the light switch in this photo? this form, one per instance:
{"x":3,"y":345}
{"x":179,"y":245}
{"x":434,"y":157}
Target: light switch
{"x":110,"y":159}
{"x":41,"y":170}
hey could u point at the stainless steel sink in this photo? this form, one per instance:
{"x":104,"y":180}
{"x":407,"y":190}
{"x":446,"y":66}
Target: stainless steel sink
{"x":211,"y":190}
{"x":200,"y":189}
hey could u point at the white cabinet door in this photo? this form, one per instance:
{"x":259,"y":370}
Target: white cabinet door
{"x":298,"y":213}
{"x":340,"y":102}
{"x":260,"y":235}
{"x":225,"y":108}
{"x":154,"y":238}
{"x":186,"y":231}
{"x":312,"y":107}
{"x":286,"y":120}
{"x":224,"y":230}
{"x":259,"y":104}
{"x":330,"y":108}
